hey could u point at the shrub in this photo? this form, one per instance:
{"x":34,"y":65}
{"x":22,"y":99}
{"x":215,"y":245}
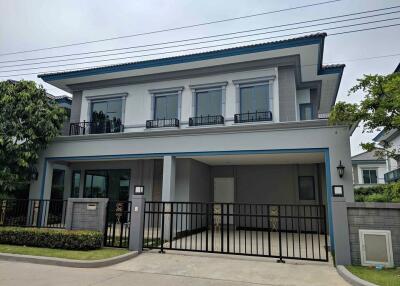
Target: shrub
{"x":379,"y":193}
{"x":51,"y":238}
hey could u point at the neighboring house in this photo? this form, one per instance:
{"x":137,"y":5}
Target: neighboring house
{"x":245,"y":124}
{"x":390,"y":138}
{"x":368,"y":170}
{"x":65,"y":102}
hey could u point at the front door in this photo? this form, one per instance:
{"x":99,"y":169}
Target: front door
{"x":224,"y":192}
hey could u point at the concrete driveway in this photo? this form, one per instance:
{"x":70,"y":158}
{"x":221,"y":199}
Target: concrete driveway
{"x":176,"y":269}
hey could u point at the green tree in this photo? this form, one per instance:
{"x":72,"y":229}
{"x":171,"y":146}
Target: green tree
{"x":378,"y":110}
{"x":29,"y":120}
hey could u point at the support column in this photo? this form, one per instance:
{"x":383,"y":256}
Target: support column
{"x":168,"y":185}
{"x":137,"y":223}
{"x":341,"y":231}
{"x":168,"y":193}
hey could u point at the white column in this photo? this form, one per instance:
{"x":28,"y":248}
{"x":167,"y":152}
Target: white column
{"x":168,"y":186}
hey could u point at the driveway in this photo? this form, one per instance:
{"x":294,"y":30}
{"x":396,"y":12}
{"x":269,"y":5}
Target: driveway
{"x":176,"y":269}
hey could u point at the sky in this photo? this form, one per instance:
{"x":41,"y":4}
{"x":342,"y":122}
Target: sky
{"x":27,"y":25}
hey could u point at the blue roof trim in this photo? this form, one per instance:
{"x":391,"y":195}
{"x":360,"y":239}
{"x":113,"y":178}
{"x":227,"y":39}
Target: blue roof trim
{"x":302,"y":41}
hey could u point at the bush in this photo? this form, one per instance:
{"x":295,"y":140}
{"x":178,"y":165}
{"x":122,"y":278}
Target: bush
{"x":51,"y":238}
{"x":380,"y":193}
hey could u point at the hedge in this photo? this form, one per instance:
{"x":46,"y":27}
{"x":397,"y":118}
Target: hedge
{"x":379,"y":193}
{"x":51,"y":238}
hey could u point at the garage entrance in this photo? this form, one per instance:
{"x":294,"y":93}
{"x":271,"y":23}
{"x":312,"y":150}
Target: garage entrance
{"x":282,"y":231}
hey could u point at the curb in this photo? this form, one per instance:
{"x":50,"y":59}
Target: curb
{"x":351,"y":278}
{"x":67,"y":262}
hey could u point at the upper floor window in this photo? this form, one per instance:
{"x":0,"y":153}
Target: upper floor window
{"x":166,"y":106}
{"x":254,"y":98}
{"x":306,"y":111}
{"x":209,"y":102}
{"x":103,"y":110}
{"x":370,"y":176}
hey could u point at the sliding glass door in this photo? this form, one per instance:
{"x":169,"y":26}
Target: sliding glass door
{"x":112,"y":184}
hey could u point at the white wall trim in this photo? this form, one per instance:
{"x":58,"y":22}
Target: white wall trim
{"x":166,"y":90}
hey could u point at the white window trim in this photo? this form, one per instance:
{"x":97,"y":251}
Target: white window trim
{"x":105,"y":97}
{"x":163,"y":92}
{"x":209,"y":87}
{"x":388,"y":236}
{"x":254,"y":82}
{"x":369,"y":168}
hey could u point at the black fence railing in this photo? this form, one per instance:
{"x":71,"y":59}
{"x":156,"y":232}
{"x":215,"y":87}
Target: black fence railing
{"x":118,"y":222}
{"x":206,"y":120}
{"x":280,"y":231}
{"x":96,"y":127}
{"x":253,"y":116}
{"x":160,"y":123}
{"x":34,"y":213}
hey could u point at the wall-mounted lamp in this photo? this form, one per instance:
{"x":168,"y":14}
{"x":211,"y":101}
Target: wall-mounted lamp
{"x":34,"y":174}
{"x":138,"y":190}
{"x":340,"y":169}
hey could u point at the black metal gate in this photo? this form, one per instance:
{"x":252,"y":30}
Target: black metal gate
{"x":269,"y":230}
{"x":116,"y":233}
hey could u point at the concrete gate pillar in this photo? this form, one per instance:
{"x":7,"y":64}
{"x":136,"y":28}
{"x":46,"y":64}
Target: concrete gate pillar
{"x":137,"y":223}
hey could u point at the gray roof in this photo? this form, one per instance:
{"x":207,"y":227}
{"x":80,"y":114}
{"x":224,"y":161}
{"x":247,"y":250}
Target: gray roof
{"x":366,"y":156}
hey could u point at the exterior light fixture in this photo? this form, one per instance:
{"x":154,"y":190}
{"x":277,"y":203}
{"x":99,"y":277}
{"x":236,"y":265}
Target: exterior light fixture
{"x":340,"y":169}
{"x":138,"y":190}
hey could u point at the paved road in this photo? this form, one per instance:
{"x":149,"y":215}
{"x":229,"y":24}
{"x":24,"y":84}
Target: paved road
{"x":175,"y":269}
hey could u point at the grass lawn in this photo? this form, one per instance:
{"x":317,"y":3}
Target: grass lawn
{"x":384,"y":277}
{"x":63,"y":253}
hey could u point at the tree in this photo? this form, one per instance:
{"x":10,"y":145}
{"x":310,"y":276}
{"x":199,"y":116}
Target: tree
{"x":29,"y":120}
{"x":378,"y":110}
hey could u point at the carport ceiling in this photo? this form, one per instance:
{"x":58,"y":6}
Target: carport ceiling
{"x":262,"y":159}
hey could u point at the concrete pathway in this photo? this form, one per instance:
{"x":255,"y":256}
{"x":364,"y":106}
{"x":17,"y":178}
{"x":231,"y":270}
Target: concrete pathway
{"x":176,"y":269}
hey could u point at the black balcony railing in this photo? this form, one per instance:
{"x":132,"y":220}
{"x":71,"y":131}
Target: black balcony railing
{"x":206,"y":120}
{"x":253,"y":116}
{"x":160,"y":123}
{"x":392,"y":176}
{"x":96,"y":127}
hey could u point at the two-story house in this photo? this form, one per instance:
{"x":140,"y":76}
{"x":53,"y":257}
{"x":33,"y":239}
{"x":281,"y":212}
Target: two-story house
{"x":245,"y":124}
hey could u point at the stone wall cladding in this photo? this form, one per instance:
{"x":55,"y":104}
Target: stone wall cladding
{"x":80,"y":217}
{"x":374,"y":216}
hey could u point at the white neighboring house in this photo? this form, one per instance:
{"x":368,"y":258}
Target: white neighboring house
{"x":368,"y":170}
{"x":391,"y":137}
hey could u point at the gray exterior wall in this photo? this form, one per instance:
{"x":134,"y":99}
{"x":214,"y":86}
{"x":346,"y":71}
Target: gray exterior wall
{"x":287,"y":94}
{"x":374,"y":216}
{"x":199,"y":182}
{"x":76,"y":106}
{"x":272,"y":184}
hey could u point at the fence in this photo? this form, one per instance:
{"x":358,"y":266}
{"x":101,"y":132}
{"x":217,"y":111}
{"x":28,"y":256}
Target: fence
{"x":118,"y":221}
{"x":281,"y":231}
{"x":33,"y":213}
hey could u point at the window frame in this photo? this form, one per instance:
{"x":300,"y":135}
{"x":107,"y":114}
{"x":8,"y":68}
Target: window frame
{"x":369,"y":173}
{"x":198,"y":88}
{"x":247,"y":85}
{"x":164,"y":91}
{"x":307,"y":104}
{"x":196,"y":112}
{"x":166,"y":94}
{"x":313,"y":188}
{"x":269,"y":80}
{"x":72,"y":183}
{"x":106,"y":97}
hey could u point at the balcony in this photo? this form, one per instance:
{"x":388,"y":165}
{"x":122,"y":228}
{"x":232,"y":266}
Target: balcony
{"x":206,"y":120}
{"x":161,"y":123}
{"x":392,"y":176}
{"x":96,"y":127}
{"x":253,"y":116}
